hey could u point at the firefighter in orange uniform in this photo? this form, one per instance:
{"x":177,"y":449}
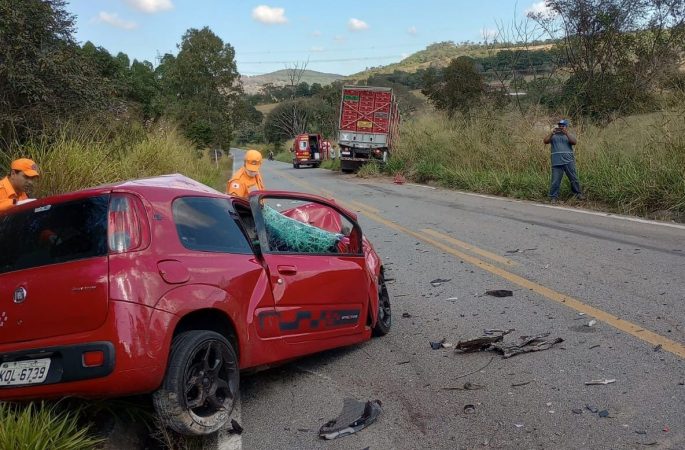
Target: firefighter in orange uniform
{"x":247,"y":178}
{"x":14,"y":186}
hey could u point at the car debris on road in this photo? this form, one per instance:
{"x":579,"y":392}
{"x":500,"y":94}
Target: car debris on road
{"x":438,"y":281}
{"x":500,"y":293}
{"x":597,"y":382}
{"x":354,"y":417}
{"x":495,"y":343}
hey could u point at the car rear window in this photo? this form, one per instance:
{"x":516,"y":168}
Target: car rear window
{"x":53,"y":234}
{"x":207,"y":224}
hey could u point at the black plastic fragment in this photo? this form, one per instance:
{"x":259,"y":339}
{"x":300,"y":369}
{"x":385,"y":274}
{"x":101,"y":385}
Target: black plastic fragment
{"x":354,"y":417}
{"x":500,"y":293}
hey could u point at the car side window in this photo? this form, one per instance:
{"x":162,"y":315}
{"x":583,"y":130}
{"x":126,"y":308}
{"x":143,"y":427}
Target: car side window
{"x":206,"y":224}
{"x":296,"y":226}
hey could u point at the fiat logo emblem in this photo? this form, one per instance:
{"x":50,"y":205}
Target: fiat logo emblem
{"x":20,"y":295}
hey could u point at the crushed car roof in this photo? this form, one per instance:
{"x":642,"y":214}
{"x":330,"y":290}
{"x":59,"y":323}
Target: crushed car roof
{"x":173,"y":181}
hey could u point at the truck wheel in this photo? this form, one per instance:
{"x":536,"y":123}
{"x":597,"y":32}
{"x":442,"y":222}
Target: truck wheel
{"x":384,"y":320}
{"x":200,"y":387}
{"x":296,"y":166}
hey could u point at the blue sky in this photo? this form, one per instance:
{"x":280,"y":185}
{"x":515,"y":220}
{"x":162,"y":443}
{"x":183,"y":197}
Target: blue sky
{"x":341,"y":37}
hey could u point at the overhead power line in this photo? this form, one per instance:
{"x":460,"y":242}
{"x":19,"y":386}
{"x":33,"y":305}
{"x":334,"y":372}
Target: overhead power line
{"x":332,"y":50}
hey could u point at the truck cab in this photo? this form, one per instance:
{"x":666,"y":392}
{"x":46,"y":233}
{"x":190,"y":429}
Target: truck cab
{"x":308,"y":149}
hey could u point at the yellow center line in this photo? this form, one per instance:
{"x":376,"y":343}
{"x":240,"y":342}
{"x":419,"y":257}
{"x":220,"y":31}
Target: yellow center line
{"x":630,"y":328}
{"x":472,"y":248}
{"x":364,"y":207}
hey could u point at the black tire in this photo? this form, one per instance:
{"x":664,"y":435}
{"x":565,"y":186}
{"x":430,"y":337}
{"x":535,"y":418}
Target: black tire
{"x":201,"y":385}
{"x":384,"y":320}
{"x":296,"y":166}
{"x":317,"y":165}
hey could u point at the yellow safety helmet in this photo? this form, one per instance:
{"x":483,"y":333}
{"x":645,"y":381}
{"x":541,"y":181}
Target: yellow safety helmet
{"x":253,"y":160}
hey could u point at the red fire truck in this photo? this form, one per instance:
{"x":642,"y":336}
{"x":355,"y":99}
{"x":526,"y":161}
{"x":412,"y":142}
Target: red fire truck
{"x":368,"y":126}
{"x":310,"y":149}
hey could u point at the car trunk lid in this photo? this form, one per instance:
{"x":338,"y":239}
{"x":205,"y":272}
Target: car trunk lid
{"x":54,"y":268}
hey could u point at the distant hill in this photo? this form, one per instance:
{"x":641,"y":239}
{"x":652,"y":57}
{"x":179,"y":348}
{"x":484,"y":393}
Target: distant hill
{"x":438,"y":55}
{"x":251,"y":85}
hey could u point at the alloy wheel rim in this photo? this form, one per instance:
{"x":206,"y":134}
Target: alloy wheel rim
{"x":208,"y":386}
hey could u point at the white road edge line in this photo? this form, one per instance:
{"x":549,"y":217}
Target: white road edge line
{"x":576,"y":210}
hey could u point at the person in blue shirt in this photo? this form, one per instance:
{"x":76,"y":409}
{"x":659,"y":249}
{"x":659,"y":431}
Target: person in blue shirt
{"x":563,"y":160}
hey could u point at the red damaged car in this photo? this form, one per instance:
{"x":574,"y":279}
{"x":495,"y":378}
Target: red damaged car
{"x":166,"y":286}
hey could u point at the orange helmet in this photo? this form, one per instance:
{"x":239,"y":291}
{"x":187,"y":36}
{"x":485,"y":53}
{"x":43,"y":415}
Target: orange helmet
{"x":253,"y":160}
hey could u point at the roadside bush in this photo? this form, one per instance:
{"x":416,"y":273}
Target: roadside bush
{"x":369,"y":170}
{"x":331,"y":164}
{"x":635,"y":165}
{"x":40,"y":426}
{"x":72,"y":160}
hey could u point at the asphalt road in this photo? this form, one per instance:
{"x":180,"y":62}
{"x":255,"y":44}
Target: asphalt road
{"x":565,"y":268}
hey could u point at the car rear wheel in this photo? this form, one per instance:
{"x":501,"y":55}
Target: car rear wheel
{"x":384,"y":320}
{"x":200,"y":388}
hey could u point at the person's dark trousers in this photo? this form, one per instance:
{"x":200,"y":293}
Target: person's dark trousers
{"x":558,"y":174}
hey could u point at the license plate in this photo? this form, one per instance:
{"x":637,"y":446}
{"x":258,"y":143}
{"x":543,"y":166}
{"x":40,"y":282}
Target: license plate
{"x":32,"y":371}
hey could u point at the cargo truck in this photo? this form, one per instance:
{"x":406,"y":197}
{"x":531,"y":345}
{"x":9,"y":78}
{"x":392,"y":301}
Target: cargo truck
{"x":368,"y":125}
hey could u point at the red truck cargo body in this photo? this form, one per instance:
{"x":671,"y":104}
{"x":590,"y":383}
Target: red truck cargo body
{"x":368,"y":126}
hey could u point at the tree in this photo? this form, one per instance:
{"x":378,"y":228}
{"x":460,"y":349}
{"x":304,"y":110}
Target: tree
{"x":617,"y":50}
{"x":43,"y":74}
{"x":315,"y":88}
{"x":293,"y":117}
{"x":249,"y":125}
{"x":143,"y":87}
{"x":286,"y":121}
{"x":458,"y":87}
{"x":202,"y":86}
{"x":302,"y":90}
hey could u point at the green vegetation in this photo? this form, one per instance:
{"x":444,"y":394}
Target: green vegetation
{"x":74,"y":160}
{"x":633,"y":166}
{"x":459,"y":87}
{"x":41,"y":426}
{"x":440,"y":54}
{"x":47,"y":79}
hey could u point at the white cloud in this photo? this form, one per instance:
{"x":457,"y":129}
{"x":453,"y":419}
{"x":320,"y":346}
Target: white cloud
{"x":357,"y":25}
{"x":316,"y":33}
{"x":151,"y":6}
{"x":269,"y":15}
{"x":539,"y":8}
{"x":412,"y":30}
{"x":404,"y":55}
{"x":488,"y":35}
{"x":316,"y":49}
{"x":114,"y":20}
{"x":340,"y":39}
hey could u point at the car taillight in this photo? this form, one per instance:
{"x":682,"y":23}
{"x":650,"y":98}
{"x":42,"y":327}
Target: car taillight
{"x":94,"y":358}
{"x":124,"y":231}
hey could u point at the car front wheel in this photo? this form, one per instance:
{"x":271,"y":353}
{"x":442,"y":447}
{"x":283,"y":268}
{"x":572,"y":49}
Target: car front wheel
{"x":200,"y":388}
{"x":384,"y":320}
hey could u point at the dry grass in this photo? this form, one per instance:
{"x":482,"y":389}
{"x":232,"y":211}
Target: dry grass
{"x":634,"y":165}
{"x":70,"y":162}
{"x":267,"y":108}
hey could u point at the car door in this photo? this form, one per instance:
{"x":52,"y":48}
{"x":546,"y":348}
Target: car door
{"x":313,"y":251}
